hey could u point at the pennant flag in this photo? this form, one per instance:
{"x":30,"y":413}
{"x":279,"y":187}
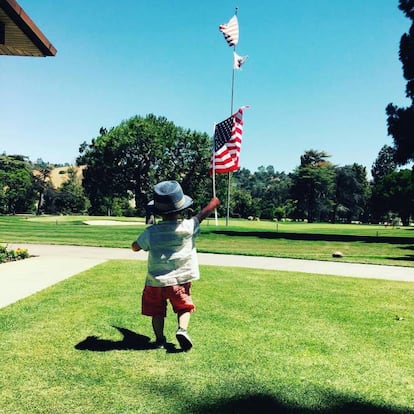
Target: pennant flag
{"x":231,"y":31}
{"x":238,"y":60}
{"x":227,"y":144}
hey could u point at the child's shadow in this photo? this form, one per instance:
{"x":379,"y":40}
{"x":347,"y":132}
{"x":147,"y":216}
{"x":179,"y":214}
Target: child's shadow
{"x":130,"y":341}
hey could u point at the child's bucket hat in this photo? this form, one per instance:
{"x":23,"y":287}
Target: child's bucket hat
{"x":169,"y":198}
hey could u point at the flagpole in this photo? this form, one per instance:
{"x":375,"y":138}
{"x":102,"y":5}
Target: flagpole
{"x":232,"y":77}
{"x":231,"y":113}
{"x":214,"y":171}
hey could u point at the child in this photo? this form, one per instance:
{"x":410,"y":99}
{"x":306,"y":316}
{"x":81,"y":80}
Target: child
{"x":172,"y":259}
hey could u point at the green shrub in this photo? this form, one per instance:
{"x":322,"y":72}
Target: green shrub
{"x":10,"y":255}
{"x":22,"y":253}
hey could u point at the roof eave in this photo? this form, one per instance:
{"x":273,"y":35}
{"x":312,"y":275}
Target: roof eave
{"x":20,"y":18}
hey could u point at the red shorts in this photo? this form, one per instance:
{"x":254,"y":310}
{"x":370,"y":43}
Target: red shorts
{"x":154,"y":299}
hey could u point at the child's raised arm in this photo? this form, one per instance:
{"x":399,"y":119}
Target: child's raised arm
{"x":208,"y":209}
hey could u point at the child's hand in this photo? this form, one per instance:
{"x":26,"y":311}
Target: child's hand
{"x":135,"y":247}
{"x":215,"y":201}
{"x":207,"y":210}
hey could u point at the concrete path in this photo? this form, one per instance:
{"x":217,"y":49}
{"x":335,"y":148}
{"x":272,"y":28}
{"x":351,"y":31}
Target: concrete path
{"x":54,"y":263}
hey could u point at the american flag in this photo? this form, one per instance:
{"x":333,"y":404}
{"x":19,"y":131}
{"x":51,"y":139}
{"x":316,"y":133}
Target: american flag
{"x":227,"y":144}
{"x":230,"y":31}
{"x":238,"y":60}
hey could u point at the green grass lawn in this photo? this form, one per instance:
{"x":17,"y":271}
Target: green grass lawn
{"x":277,"y":342}
{"x":317,"y":241}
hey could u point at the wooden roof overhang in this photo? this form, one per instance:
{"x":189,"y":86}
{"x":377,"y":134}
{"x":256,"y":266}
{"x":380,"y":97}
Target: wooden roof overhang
{"x":19,"y":36}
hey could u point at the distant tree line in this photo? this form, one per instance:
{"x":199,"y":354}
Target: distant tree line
{"x":123,"y":163}
{"x":316,"y":190}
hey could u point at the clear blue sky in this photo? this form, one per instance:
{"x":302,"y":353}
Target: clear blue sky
{"x":319,"y":75}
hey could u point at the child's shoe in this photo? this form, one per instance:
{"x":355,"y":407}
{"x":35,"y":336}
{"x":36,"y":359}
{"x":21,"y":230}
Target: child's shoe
{"x":160,"y":343}
{"x":183,"y":339}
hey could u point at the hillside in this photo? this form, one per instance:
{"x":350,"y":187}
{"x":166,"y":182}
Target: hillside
{"x":59,"y":174}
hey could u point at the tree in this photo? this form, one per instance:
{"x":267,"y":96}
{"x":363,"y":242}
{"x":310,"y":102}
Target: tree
{"x":132,"y":157}
{"x":394,"y":193}
{"x":313,"y":186}
{"x":242,"y":203}
{"x":268,"y":189}
{"x":384,"y":164}
{"x":275,"y":194}
{"x":69,"y":198}
{"x":42,"y":183}
{"x":401,"y":120}
{"x":17,"y":194}
{"x":351,"y":193}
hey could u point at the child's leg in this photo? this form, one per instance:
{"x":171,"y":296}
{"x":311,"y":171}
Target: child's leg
{"x":183,"y":306}
{"x":183,"y":318}
{"x":153,"y":303}
{"x":158,"y":327}
{"x":182,"y":336}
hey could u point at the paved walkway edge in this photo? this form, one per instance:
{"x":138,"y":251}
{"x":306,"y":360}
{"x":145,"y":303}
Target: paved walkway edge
{"x":53,"y":263}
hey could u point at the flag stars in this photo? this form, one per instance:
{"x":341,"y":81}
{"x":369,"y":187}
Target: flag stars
{"x":223,"y":132}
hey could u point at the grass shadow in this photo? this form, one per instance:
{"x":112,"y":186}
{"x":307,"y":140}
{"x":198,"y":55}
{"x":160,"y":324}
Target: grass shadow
{"x":406,"y":258}
{"x":316,"y":237}
{"x":130,"y":341}
{"x":265,"y":404}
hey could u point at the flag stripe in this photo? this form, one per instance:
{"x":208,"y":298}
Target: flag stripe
{"x":227,"y":144}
